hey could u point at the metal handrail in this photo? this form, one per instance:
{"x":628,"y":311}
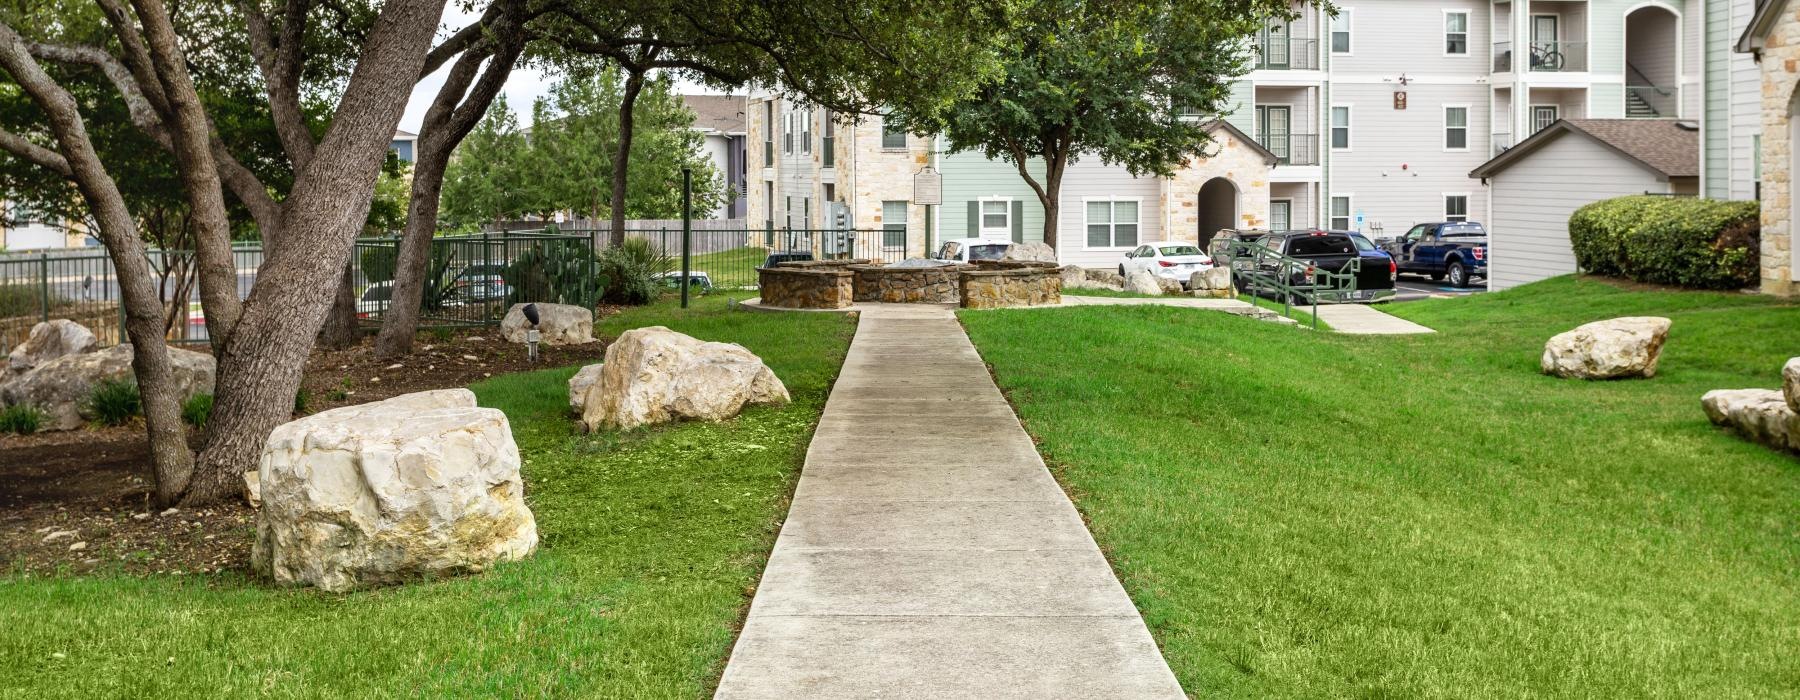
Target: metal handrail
{"x":1275,"y":272}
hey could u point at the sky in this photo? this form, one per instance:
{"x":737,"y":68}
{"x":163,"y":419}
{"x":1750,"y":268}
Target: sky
{"x":523,"y":87}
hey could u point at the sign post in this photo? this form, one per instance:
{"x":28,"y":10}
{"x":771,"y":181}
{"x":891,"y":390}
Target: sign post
{"x":928,"y":191}
{"x":687,"y":231}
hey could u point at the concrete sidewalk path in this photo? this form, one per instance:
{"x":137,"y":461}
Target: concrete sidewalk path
{"x":1361,"y":319}
{"x":928,"y":552}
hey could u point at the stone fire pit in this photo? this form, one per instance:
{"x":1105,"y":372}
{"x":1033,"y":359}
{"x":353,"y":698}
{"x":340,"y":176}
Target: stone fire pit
{"x":837,"y":284}
{"x":909,"y":282}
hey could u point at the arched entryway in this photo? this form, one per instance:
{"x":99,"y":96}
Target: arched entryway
{"x":1652,"y":62}
{"x":1218,"y":208}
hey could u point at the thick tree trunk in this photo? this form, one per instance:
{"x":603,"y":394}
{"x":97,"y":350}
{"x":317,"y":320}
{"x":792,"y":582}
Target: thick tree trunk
{"x":191,"y":135}
{"x":1051,"y":198}
{"x":340,"y":329}
{"x":169,"y":457}
{"x":446,"y":123}
{"x":260,"y":368}
{"x":634,"y":84}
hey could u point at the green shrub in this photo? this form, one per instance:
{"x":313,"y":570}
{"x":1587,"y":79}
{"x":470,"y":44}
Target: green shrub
{"x":115,"y":401}
{"x":302,"y":400}
{"x":197,"y":409}
{"x":27,"y":299}
{"x":632,"y":272}
{"x":1682,"y":241}
{"x":557,"y":272}
{"x":21,"y":418}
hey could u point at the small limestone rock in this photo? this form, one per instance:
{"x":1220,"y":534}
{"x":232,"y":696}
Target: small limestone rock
{"x":474,"y":339}
{"x":47,"y":341}
{"x":558,"y":324}
{"x":1790,"y":383}
{"x":655,"y":375}
{"x":1033,"y":251}
{"x":1610,"y":349}
{"x":1142,"y":282}
{"x":395,"y":366}
{"x":471,"y":358}
{"x":78,"y":546}
{"x":1761,"y":415}
{"x":374,"y":380}
{"x":141,"y":516}
{"x":60,"y":535}
{"x":580,"y":383}
{"x":253,"y":488}
{"x":171,"y":511}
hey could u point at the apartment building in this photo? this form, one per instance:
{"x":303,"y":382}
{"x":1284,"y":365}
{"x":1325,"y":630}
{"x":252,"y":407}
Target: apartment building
{"x":1371,"y":119}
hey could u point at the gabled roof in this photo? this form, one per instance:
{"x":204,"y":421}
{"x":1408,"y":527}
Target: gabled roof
{"x":1757,"y":31}
{"x":1220,"y":124}
{"x":718,"y":113}
{"x":404,"y":135}
{"x":1667,"y":147}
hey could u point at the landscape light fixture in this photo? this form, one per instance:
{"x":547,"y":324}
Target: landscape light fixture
{"x":531,"y":334}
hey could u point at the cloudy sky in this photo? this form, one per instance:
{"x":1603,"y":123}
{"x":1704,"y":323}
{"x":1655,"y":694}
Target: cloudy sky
{"x":522,"y":88}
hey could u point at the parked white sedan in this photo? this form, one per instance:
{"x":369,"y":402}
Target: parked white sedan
{"x":1168,"y":260}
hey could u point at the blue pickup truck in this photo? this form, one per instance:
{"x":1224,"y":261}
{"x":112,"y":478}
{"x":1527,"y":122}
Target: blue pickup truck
{"x":1453,"y":250}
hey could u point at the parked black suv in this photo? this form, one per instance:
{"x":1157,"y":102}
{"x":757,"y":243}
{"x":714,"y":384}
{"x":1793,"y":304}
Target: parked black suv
{"x":1333,"y":251}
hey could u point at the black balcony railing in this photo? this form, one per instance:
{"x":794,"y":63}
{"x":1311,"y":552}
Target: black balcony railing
{"x":1292,"y":149}
{"x":1279,"y":53}
{"x":1559,"y":56}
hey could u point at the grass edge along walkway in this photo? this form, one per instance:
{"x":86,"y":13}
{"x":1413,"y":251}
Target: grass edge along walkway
{"x":651,"y":540}
{"x":1328,"y":515}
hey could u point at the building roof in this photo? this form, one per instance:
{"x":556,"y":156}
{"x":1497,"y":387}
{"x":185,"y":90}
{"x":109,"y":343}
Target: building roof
{"x":720,"y":113}
{"x":1757,"y":31}
{"x":1218,"y":124}
{"x":404,"y":135}
{"x":1668,"y":147}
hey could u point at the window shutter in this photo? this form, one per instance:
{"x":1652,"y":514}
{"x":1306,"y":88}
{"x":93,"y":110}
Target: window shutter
{"x":1018,"y":221}
{"x":974,"y":219}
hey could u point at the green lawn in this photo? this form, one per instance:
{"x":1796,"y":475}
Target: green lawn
{"x":651,"y":542}
{"x":1319,"y":515}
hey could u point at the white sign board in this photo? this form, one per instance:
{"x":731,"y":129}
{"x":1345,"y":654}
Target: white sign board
{"x":928,"y":187}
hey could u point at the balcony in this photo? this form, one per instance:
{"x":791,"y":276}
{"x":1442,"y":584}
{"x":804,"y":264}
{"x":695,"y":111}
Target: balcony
{"x":1292,"y":149}
{"x":1277,"y":53}
{"x":1559,"y":56}
{"x":1502,"y":57}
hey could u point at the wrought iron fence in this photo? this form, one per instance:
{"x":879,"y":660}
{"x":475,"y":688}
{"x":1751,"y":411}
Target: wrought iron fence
{"x":470,"y":280}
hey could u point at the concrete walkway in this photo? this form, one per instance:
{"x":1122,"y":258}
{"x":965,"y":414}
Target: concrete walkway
{"x":1360,"y":319}
{"x":928,"y":552}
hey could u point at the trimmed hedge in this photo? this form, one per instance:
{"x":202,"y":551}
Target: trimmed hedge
{"x":1681,"y":241}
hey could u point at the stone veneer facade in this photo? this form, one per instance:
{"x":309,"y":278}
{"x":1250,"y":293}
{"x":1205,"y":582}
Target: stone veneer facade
{"x":1780,"y":59}
{"x":1006,"y":284}
{"x":806,"y":288}
{"x":907,"y":285}
{"x":1241,"y":163}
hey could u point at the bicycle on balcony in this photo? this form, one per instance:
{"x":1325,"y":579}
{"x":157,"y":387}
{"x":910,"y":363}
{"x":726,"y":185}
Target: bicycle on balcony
{"x":1546,"y":57}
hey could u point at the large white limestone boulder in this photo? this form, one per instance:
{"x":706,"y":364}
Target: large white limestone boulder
{"x":1790,"y":383}
{"x":61,"y":387}
{"x":1072,"y":276}
{"x":656,"y":375}
{"x":418,"y":486}
{"x":1142,"y":282}
{"x":1037,"y":251}
{"x":1761,"y":415}
{"x":558,"y":324}
{"x":1610,"y":349}
{"x":49,"y":340}
{"x":1214,"y":283}
{"x":580,"y":383}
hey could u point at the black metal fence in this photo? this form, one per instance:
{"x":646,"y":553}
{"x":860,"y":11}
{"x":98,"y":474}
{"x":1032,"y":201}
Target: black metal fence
{"x":471,"y":279}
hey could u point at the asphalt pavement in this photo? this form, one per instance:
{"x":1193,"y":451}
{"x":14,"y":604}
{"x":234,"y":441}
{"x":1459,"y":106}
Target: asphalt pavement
{"x":1414,"y":288}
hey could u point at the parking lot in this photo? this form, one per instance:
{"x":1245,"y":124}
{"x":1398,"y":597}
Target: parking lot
{"x":1413,"y":288}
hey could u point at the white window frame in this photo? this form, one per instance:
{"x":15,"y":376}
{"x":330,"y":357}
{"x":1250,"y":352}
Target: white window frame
{"x":1112,"y":225}
{"x":1289,"y":201}
{"x":894,"y":149}
{"x":981,"y":214}
{"x":1531,"y":118}
{"x":1467,"y":127}
{"x":1468,"y":202}
{"x":904,"y":223}
{"x":1349,"y":211}
{"x":806,"y":130}
{"x":1468,"y":40}
{"x":1348,"y":15}
{"x":1349,"y":124}
{"x":787,"y":132}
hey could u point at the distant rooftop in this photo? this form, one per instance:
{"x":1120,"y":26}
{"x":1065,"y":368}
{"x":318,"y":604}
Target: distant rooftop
{"x":1667,"y":146}
{"x":721,"y":113}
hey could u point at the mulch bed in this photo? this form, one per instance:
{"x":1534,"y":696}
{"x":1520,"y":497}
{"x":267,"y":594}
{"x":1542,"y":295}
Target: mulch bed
{"x":80,"y":501}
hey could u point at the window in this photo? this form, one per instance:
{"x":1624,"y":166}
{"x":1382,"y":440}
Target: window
{"x":787,"y":132}
{"x":769,"y":139}
{"x":1281,"y":214}
{"x":1456,"y":128}
{"x":996,"y":218}
{"x":893,"y":224}
{"x":1456,"y":33}
{"x":1340,"y":31}
{"x":830,"y":192}
{"x":1340,"y":213}
{"x":806,"y":131}
{"x":890,"y":138}
{"x":787,"y":210}
{"x":1112,"y":223}
{"x":828,"y":142}
{"x":1340,"y":128}
{"x":1542,"y":116}
{"x":1456,"y":207}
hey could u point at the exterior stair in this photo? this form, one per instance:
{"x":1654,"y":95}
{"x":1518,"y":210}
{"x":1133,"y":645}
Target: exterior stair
{"x":1636,"y":107}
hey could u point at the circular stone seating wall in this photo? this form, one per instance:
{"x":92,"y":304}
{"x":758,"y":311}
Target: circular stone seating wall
{"x":997,"y":284}
{"x":802,"y":286}
{"x":907,"y":285}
